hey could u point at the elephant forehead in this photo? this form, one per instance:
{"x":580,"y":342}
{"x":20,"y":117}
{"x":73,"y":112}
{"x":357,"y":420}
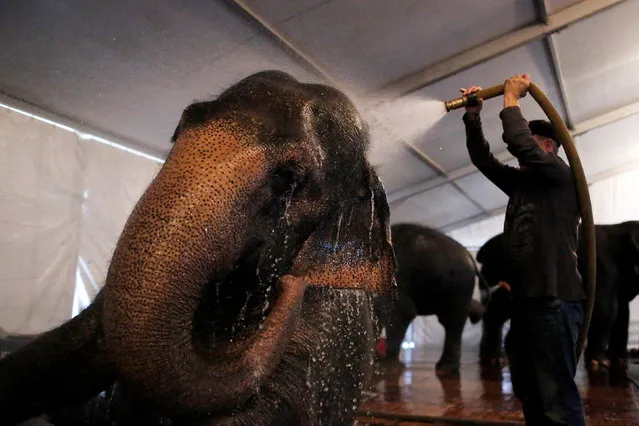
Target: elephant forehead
{"x":291,"y":104}
{"x":219,"y":145}
{"x":210,"y":165}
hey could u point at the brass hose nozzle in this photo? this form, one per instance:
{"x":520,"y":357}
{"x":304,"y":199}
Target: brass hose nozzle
{"x":466,"y":100}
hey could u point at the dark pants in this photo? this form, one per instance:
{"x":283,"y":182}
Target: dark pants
{"x":541,"y":347}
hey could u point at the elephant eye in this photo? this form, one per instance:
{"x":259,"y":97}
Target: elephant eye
{"x":286,"y":179}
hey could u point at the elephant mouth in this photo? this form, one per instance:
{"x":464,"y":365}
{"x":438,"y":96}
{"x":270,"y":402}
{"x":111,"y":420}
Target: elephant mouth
{"x":234,"y":304}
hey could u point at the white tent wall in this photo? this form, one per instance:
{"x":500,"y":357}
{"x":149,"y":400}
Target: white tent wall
{"x":41,"y":176}
{"x":64,"y":200}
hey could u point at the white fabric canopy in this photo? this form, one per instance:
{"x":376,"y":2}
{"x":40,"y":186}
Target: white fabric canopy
{"x":64,"y":201}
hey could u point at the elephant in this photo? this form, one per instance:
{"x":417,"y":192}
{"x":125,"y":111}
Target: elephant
{"x":240,"y":289}
{"x":617,"y":279}
{"x":435,"y":276}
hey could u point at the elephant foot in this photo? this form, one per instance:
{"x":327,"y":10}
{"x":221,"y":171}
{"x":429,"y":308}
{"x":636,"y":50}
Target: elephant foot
{"x":597,"y":365}
{"x":446,"y":370}
{"x":496,"y":362}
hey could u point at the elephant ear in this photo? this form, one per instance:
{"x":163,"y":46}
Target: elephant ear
{"x":192,"y":115}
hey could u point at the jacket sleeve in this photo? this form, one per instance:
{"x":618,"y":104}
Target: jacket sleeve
{"x":503,"y":176}
{"x":523,"y":146}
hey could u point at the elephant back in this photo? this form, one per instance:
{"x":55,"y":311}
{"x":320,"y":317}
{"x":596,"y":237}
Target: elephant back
{"x":427,"y":255}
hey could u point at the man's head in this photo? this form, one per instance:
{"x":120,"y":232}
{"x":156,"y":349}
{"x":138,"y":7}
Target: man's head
{"x":544,"y":134}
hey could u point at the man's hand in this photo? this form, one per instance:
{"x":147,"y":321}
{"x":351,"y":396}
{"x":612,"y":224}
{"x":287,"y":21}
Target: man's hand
{"x":515,"y":88}
{"x":468,"y":92}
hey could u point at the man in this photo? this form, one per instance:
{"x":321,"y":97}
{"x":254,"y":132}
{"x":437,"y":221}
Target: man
{"x":540,"y":239}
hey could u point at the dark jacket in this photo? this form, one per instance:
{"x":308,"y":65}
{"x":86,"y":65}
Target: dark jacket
{"x":540,"y":232}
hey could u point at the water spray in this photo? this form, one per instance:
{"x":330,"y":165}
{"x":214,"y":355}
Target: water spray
{"x":580,"y":182}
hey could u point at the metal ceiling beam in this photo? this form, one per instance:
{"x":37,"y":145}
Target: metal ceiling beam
{"x":289,"y":47}
{"x":498,"y":46}
{"x":401,"y":195}
{"x":605,"y":119}
{"x":617,"y":170}
{"x":553,"y":60}
{"x":555,"y":64}
{"x":504,"y":156}
{"x":442,"y":173}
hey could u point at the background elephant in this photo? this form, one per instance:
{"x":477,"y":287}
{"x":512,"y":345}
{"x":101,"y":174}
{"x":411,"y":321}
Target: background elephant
{"x":617,"y":285}
{"x":435,"y":276}
{"x":240,"y":289}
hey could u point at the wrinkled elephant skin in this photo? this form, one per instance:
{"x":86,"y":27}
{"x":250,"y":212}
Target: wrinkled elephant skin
{"x":617,"y":286}
{"x":240,"y":289}
{"x":435,"y":276}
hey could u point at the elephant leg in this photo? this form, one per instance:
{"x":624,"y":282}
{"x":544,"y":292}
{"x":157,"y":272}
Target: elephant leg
{"x":490,"y":346}
{"x":401,"y":315}
{"x":618,"y":344}
{"x":63,"y":367}
{"x":603,"y":318}
{"x":454,"y":326}
{"x":604,"y":315}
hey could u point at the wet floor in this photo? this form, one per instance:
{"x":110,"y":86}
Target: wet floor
{"x":416,"y":396}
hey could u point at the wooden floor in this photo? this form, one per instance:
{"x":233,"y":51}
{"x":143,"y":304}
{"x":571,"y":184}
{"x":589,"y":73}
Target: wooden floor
{"x":416,"y":396}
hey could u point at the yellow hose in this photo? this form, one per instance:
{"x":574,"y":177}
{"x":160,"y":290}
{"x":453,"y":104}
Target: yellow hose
{"x":583,"y":195}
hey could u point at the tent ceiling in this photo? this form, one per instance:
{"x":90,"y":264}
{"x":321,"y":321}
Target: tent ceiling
{"x":370,"y":43}
{"x":127,"y":69}
{"x":555,"y":5}
{"x":600,"y":59}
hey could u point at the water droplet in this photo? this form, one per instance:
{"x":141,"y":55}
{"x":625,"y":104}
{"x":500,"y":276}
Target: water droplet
{"x":370,"y":229}
{"x":339,"y":226}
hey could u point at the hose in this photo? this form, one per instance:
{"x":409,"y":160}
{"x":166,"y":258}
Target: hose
{"x":580,"y":182}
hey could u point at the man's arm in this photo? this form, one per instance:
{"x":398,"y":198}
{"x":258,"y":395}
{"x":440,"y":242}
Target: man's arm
{"x":503,"y":176}
{"x":523,"y":146}
{"x":519,"y":138}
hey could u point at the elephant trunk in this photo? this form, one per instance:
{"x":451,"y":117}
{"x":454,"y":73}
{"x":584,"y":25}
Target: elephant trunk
{"x":186,"y":232}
